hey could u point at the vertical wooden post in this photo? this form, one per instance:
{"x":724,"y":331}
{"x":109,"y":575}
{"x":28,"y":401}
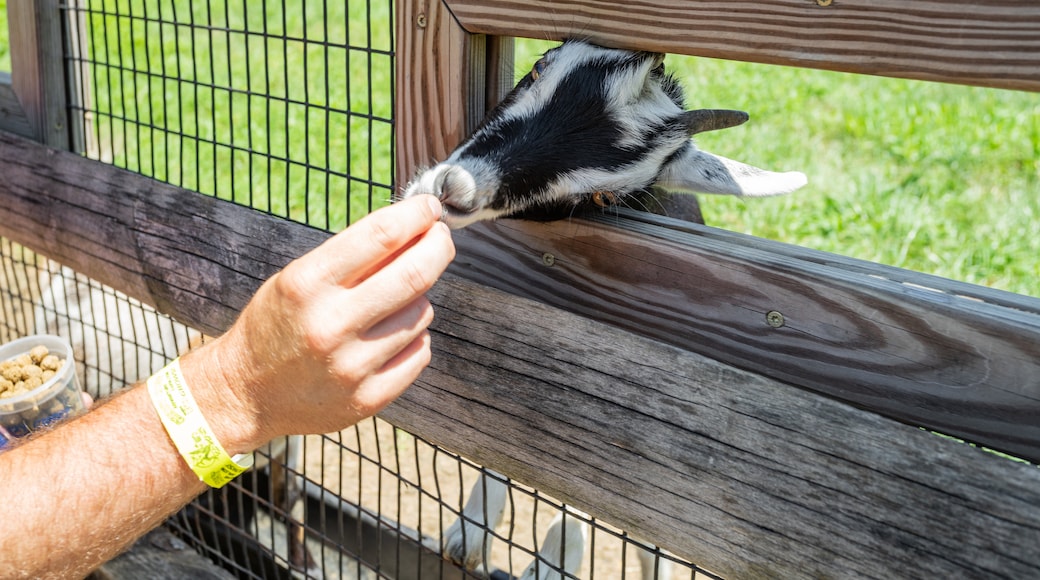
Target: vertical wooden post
{"x":501,"y":57}
{"x":37,"y":68}
{"x":446,"y":78}
{"x":432,"y":78}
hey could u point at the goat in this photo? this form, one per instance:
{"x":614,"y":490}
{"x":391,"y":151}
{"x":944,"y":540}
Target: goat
{"x":589,"y":126}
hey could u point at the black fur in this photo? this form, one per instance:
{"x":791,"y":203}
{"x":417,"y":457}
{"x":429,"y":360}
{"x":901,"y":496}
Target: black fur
{"x":574,"y":118}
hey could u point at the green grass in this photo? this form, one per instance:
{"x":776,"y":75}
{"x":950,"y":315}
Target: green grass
{"x":937,"y":178}
{"x":5,"y":45}
{"x":280,"y":109}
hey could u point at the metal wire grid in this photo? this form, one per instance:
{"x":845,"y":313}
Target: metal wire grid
{"x":404,"y":492}
{"x":116,"y":339}
{"x":285,"y":107}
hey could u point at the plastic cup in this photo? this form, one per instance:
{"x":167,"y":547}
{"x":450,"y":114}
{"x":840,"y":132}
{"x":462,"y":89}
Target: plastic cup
{"x":57,"y":398}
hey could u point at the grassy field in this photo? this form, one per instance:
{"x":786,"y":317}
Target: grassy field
{"x":285,"y":110}
{"x":284,"y":107}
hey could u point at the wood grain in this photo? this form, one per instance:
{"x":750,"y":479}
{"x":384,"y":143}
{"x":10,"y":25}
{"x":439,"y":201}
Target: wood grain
{"x":160,"y":555}
{"x":994,"y":43}
{"x":940,"y":356}
{"x":742,"y":474}
{"x":435,"y":79}
{"x":135,"y":234}
{"x":955,"y":358}
{"x":12,"y":116}
{"x":736,"y":471}
{"x":37,"y":68}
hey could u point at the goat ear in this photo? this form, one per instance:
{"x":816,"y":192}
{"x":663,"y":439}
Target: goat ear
{"x":694,"y":171}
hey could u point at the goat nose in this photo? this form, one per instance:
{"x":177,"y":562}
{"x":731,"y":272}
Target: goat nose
{"x":439,"y":180}
{"x":452,"y":184}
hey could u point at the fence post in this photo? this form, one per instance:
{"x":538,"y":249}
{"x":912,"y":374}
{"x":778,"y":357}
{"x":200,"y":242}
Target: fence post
{"x":37,"y":71}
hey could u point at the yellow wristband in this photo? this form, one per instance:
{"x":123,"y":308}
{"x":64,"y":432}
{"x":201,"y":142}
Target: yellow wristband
{"x":190,"y":432}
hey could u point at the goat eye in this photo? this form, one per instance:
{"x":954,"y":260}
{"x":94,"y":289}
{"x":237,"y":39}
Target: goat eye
{"x":539,"y":68}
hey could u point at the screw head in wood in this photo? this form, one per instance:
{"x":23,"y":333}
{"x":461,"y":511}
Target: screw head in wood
{"x":548,"y":259}
{"x":775,"y":319}
{"x":824,"y":3}
{"x":420,"y":20}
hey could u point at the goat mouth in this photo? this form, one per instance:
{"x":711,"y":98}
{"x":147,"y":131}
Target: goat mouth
{"x":457,"y":217}
{"x":450,"y":210}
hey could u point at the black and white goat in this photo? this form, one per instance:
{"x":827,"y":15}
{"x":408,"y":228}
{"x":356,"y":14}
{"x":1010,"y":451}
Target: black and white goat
{"x":589,"y":126}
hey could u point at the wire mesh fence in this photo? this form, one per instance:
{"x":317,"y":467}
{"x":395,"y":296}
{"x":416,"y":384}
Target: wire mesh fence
{"x":287,"y":108}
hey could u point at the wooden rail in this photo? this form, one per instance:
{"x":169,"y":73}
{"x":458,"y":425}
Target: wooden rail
{"x":993,"y":43}
{"x":750,"y":476}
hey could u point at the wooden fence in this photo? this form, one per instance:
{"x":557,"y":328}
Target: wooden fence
{"x":639,"y":360}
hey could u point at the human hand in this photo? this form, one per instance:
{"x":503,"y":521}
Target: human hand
{"x":334,"y":337}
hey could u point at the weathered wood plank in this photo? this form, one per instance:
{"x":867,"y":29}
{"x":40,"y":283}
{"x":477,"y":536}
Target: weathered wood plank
{"x":944,"y":360}
{"x":12,"y":116}
{"x":38,"y":68}
{"x":160,"y":555}
{"x":132,"y":233}
{"x":447,"y":80}
{"x":435,"y":77}
{"x":741,"y":473}
{"x":994,"y":43}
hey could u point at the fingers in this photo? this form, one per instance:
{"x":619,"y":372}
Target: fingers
{"x":348,"y":322}
{"x":408,"y":322}
{"x":364,"y":247}
{"x":394,"y":377}
{"x":409,"y":275}
{"x":334,"y":316}
{"x":355,"y":359}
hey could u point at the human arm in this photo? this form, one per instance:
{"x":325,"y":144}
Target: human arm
{"x":331,"y":339}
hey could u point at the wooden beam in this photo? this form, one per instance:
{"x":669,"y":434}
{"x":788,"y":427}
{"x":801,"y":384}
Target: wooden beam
{"x":741,"y":473}
{"x":994,"y":43}
{"x":129,"y":231}
{"x":948,"y":356}
{"x":446,"y":81}
{"x":439,"y":85}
